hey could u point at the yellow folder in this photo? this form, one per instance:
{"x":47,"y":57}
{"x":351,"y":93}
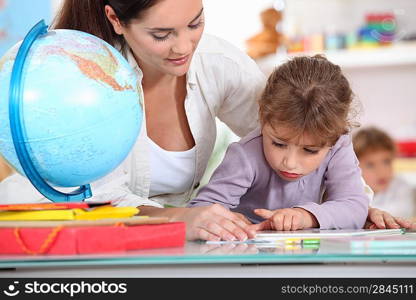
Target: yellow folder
{"x":96,"y":213}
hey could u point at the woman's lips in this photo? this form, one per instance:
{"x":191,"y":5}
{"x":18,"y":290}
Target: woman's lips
{"x":178,"y":61}
{"x":290,"y":175}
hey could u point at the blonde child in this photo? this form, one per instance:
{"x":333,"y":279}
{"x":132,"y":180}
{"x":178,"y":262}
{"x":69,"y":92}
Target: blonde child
{"x":277,"y":175}
{"x":376,"y":152}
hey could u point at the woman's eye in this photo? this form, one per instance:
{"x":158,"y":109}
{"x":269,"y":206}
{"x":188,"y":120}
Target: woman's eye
{"x":197,"y":25}
{"x":161,"y":38}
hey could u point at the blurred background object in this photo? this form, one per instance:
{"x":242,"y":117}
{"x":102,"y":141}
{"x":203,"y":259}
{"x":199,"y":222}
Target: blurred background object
{"x":18,"y":16}
{"x":269,"y":39}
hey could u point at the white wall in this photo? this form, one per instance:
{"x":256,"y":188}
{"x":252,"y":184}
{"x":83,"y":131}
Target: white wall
{"x":234,"y":20}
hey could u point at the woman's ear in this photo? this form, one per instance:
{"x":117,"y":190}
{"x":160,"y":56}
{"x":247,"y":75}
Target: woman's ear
{"x":114,"y":20}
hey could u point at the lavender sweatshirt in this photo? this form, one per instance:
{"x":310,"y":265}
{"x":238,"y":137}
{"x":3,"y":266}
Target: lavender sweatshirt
{"x":245,"y":181}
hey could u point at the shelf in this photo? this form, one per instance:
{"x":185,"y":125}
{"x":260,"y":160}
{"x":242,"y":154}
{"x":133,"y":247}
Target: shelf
{"x":399,"y":54}
{"x":405,"y":164}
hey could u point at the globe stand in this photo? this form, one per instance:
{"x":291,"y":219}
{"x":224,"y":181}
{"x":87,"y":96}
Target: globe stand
{"x":17,"y":125}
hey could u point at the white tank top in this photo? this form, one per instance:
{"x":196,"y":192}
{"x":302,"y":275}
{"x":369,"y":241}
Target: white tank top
{"x":171,"y":172}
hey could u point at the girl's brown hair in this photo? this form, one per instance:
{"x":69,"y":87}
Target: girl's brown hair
{"x":372,"y":139}
{"x":308,"y":95}
{"x":89,"y":16}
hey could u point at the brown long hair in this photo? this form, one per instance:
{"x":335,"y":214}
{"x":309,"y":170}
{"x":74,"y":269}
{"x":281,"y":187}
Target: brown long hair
{"x":89,"y":16}
{"x":308,"y":95}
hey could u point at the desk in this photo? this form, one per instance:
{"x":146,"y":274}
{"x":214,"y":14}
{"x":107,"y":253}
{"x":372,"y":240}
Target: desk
{"x":332,"y":258}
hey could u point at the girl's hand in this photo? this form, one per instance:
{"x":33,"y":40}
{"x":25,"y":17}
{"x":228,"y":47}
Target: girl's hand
{"x":380,"y":219}
{"x":285,"y":219}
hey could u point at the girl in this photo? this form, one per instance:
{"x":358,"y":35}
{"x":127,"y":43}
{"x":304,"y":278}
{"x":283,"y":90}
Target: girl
{"x":299,"y":170}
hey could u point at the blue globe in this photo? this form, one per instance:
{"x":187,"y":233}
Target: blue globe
{"x":81,"y":107}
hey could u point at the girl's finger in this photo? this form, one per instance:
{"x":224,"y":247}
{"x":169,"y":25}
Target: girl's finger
{"x":264,"y":213}
{"x":287,"y":222}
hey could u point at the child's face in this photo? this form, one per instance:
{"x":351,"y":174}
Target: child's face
{"x":291,"y":159}
{"x":377,"y":169}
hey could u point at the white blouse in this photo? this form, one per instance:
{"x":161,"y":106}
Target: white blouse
{"x":171,"y":172}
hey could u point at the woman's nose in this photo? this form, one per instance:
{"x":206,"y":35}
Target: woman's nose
{"x":183,"y":45}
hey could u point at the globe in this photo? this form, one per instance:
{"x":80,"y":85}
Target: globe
{"x":80,"y":107}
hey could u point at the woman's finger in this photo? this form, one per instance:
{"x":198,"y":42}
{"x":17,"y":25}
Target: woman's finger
{"x":378,"y":220}
{"x":390,"y":221}
{"x":404,"y":223}
{"x":202,"y":234}
{"x":235,"y":224}
{"x":216,"y":227}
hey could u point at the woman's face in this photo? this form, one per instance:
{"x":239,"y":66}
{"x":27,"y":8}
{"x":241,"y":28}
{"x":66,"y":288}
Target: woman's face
{"x":166,"y":35}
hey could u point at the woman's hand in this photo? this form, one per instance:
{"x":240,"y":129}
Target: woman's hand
{"x":285,"y":219}
{"x":215,"y":222}
{"x":380,"y":219}
{"x":212,"y":223}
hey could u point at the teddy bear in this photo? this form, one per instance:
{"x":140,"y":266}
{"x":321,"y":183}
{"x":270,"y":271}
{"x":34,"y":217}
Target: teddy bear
{"x":269,"y":39}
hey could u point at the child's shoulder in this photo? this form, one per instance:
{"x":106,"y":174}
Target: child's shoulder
{"x":343,"y":141}
{"x":251,"y":148}
{"x":254,"y":137}
{"x":251,"y":145}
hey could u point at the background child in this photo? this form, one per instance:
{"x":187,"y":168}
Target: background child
{"x":301,"y":151}
{"x":376,"y":152}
